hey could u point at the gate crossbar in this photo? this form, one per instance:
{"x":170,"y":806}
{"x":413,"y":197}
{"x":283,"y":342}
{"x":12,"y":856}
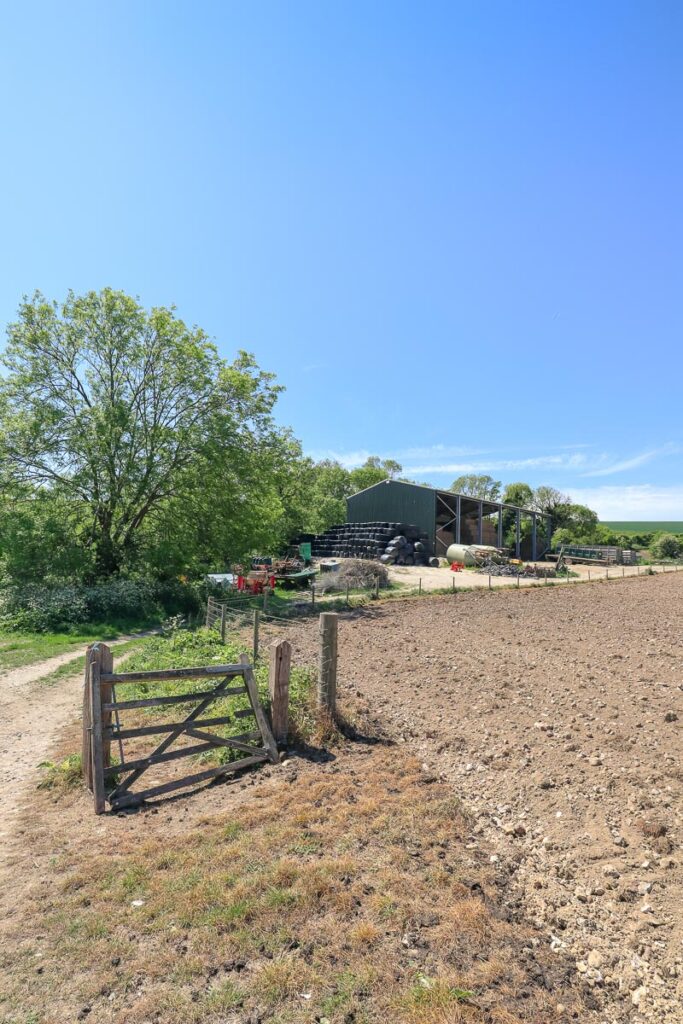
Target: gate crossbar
{"x":100,"y":730}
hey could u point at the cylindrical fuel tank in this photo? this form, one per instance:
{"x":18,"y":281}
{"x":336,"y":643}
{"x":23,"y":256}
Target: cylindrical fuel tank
{"x":468,"y":554}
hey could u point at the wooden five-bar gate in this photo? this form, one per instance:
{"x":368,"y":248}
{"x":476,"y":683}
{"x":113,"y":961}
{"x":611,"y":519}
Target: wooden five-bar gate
{"x":111,"y":783}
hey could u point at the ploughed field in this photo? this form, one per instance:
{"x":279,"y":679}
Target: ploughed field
{"x":557,"y":715}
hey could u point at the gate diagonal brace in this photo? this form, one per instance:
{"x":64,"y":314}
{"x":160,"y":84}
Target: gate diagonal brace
{"x":124,"y":786}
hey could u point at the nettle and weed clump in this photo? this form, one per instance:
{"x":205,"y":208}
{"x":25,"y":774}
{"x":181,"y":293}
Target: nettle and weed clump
{"x":121,"y":602}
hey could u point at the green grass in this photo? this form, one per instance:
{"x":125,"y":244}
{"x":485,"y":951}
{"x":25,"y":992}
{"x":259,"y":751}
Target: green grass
{"x":645,"y":526}
{"x":17,"y":649}
{"x":186,"y":648}
{"x":77,"y":664}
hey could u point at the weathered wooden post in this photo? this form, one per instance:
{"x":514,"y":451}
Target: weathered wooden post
{"x":257,"y":616}
{"x":327,"y":671}
{"x":313,"y":595}
{"x":96,"y":751}
{"x":208,"y":611}
{"x":278,"y":687}
{"x":223,"y":623}
{"x":419,"y":589}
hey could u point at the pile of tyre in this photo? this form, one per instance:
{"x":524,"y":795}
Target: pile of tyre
{"x":391,"y":543}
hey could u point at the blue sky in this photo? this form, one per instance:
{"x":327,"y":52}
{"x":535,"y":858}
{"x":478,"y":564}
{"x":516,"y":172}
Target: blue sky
{"x":454,"y":231}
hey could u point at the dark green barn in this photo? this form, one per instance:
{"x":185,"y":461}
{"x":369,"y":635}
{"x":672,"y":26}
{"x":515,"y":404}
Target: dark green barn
{"x":449,"y":518}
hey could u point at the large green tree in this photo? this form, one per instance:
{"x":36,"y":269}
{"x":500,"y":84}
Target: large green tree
{"x":124,"y":416}
{"x":477,"y":485}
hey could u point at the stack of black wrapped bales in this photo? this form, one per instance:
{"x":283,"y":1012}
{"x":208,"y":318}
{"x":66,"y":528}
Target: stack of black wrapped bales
{"x":391,"y":543}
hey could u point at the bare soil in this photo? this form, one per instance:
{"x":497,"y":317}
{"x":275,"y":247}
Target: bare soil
{"x":553,"y":713}
{"x":556,"y":713}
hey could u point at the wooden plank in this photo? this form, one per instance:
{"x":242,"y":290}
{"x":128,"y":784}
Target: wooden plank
{"x":193,"y":717}
{"x":174,"y":755}
{"x":96,"y":745}
{"x":181,"y":698}
{"x":147,"y":762}
{"x":228,"y":741}
{"x":130,"y":799}
{"x":173,"y":673}
{"x":278,"y":687}
{"x":244,"y":713}
{"x":86,"y":744}
{"x":173,"y":727}
{"x":259,"y":714}
{"x":106,"y":690}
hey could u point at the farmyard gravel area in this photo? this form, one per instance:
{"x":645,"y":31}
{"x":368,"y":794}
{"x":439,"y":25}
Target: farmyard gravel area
{"x":556,"y":713}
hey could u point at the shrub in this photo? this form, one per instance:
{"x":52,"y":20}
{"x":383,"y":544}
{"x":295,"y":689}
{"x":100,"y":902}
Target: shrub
{"x":37,"y":608}
{"x":666,"y":546}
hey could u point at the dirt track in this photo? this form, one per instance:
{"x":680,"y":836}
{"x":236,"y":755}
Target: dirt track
{"x":557,"y":714}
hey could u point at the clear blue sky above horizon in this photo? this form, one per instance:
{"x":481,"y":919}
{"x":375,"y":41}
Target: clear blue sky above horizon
{"x":453,"y":230}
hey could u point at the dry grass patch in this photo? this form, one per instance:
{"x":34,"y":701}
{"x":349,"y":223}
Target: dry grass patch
{"x":340,"y":893}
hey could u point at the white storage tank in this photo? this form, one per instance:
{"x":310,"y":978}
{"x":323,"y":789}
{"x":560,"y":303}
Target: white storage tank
{"x":470,"y":554}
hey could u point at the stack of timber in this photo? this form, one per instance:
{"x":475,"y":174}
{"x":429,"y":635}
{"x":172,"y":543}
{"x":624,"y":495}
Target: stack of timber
{"x":393,"y":543}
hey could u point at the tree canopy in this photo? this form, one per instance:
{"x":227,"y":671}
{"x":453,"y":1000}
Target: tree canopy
{"x":476,"y":485}
{"x":121,"y":415}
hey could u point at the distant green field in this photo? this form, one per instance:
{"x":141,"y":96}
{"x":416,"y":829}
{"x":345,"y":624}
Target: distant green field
{"x":675,"y":526}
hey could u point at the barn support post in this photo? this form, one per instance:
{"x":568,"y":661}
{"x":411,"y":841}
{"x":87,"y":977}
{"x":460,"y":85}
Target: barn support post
{"x":500,"y":526}
{"x":480,"y":522}
{"x":518,"y":534}
{"x":534,"y":548}
{"x":458,"y":508}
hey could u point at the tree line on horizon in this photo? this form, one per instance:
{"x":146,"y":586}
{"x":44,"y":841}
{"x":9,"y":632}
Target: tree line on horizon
{"x":130,"y":448}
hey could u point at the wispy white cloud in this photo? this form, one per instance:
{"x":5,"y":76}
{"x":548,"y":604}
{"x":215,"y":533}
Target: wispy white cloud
{"x":578,"y":460}
{"x":493,"y":465}
{"x":347,"y":459}
{"x":637,"y":501}
{"x":623,"y":465}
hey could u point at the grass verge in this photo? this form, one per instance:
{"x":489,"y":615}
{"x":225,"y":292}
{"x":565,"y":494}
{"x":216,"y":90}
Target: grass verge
{"x":341,"y":892}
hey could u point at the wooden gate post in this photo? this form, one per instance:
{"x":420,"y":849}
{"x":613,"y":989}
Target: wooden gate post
{"x":96,"y":751}
{"x":327,"y":675}
{"x":223,"y":623}
{"x":278,"y":687}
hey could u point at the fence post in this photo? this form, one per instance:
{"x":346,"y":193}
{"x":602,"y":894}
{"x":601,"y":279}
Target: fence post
{"x":327,"y":672}
{"x":208,"y":611}
{"x":95,"y":754}
{"x":223,"y":623}
{"x":278,"y":687}
{"x":312,"y":595}
{"x":489,"y":580}
{"x":420,"y":586}
{"x":257,"y":616}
